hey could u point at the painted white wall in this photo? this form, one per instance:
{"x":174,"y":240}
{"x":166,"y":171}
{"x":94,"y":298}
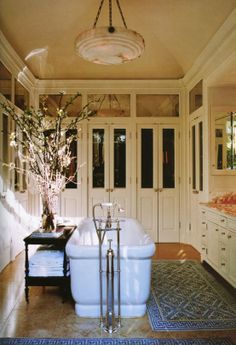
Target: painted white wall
{"x":15,"y":225}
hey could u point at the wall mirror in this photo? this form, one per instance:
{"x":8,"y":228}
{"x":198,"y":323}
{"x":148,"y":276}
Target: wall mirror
{"x":224,"y":135}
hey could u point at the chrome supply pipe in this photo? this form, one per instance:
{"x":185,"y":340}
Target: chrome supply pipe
{"x":110,"y":315}
{"x":111,"y":323}
{"x":100,"y":275}
{"x":118,"y":272}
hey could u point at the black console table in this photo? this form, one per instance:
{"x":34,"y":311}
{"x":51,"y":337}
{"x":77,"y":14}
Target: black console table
{"x":58,"y":241}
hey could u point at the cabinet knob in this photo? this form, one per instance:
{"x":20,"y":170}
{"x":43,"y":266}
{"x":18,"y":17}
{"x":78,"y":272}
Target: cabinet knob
{"x":229,"y":236}
{"x":203,"y":235}
{"x":222,"y":220}
{"x":203,"y":248}
{"x":223,"y":264}
{"x":223,"y":233}
{"x":203,"y":223}
{"x":217,"y":229}
{"x":222,"y":248}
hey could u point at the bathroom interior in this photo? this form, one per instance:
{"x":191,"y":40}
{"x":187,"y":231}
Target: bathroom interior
{"x":155,"y":167}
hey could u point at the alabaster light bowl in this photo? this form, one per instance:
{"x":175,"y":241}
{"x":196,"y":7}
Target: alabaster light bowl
{"x":101,"y":46}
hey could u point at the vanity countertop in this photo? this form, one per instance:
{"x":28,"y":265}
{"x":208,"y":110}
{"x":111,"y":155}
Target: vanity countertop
{"x":228,"y":209}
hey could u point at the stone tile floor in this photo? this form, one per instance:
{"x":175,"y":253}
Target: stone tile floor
{"x":47,"y":316}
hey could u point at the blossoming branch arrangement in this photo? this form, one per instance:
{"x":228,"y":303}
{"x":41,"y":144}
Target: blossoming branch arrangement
{"x":43,"y":144}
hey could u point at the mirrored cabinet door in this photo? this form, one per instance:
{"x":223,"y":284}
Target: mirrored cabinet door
{"x":224,"y":141}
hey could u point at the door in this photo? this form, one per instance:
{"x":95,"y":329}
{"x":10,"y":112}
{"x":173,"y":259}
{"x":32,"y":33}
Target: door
{"x":158,"y":182}
{"x":109,"y":166}
{"x":196,"y":180}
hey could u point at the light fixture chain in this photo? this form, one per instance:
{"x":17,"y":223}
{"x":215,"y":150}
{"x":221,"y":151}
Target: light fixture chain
{"x":121,"y":13}
{"x":98,"y":13}
{"x":110,"y":13}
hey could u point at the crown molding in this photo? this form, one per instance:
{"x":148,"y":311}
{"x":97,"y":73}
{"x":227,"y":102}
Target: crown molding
{"x":220,"y":47}
{"x":130,"y":86}
{"x":15,"y":65}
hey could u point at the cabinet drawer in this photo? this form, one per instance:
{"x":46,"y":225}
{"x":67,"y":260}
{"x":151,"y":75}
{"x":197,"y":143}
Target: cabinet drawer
{"x":217,"y":219}
{"x":204,"y":238}
{"x":203,"y":214}
{"x":232,"y":224}
{"x":223,"y":250}
{"x":223,"y":235}
{"x":223,"y":265}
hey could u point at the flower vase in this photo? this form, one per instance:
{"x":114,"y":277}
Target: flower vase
{"x":48,"y":222}
{"x":48,"y":218}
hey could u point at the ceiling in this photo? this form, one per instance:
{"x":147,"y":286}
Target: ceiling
{"x":175,"y":33}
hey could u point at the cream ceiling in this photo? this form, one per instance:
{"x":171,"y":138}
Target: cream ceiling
{"x":175,"y":31}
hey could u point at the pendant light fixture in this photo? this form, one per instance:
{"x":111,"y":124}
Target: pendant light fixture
{"x":109,"y":45}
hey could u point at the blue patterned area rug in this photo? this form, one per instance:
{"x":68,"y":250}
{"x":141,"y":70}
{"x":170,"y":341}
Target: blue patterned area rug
{"x":113,"y":341}
{"x":185,"y":297}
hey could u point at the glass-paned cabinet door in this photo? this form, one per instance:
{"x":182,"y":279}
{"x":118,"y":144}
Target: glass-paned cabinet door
{"x":146,"y":158}
{"x":5,"y":148}
{"x":119,"y":157}
{"x":168,"y":164}
{"x":196,"y":133}
{"x":109,"y":165}
{"x":98,"y":165}
{"x":5,"y":82}
{"x":72,"y":169}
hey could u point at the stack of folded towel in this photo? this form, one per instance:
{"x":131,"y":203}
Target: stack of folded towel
{"x":47,"y":263}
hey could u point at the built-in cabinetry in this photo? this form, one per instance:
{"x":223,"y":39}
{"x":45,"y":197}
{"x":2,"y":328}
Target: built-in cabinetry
{"x":218,"y":242}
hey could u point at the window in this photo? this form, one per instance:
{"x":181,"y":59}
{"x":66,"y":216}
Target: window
{"x":157,"y":105}
{"x":195,"y":97}
{"x":58,"y":101}
{"x":21,"y":96}
{"x":110,"y":105}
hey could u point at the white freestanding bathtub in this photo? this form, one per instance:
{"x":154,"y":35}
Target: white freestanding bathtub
{"x":136,"y":250}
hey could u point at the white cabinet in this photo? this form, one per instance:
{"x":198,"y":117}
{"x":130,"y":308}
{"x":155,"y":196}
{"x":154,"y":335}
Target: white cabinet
{"x":232,"y":255}
{"x":212,"y":245}
{"x":218,"y":242}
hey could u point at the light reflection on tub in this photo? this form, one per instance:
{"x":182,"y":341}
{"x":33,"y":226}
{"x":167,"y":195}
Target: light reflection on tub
{"x":136,"y":250}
